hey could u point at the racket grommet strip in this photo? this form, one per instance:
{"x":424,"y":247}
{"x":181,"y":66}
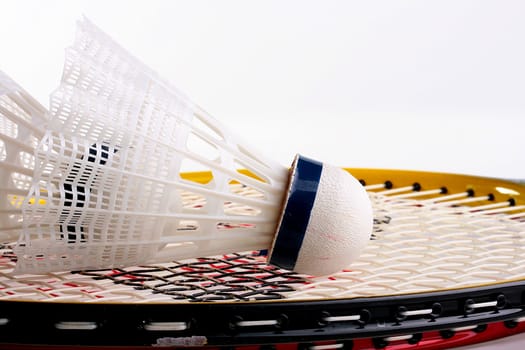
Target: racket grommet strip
{"x":238,"y":322}
{"x":380,"y":343}
{"x":362,"y":318}
{"x":480,"y":328}
{"x":154,"y":326}
{"x":401,"y":314}
{"x":514,"y":323}
{"x":321,"y":346}
{"x":327,"y":319}
{"x":447,"y":333}
{"x":365,"y":317}
{"x":76,"y":325}
{"x":464,"y":328}
{"x":433,"y":312}
{"x":474,"y":328}
{"x":437,"y":309}
{"x":499,"y":303}
{"x":411,"y":339}
{"x":334,"y":346}
{"x":395,"y":338}
{"x":510,"y":324}
{"x":416,"y":338}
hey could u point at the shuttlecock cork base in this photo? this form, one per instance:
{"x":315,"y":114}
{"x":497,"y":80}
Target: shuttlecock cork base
{"x":326,"y":220}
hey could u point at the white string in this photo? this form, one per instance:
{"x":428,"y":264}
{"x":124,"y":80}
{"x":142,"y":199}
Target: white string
{"x":422,"y":247}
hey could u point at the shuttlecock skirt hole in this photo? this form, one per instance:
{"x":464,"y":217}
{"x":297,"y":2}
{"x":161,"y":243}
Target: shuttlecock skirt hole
{"x":73,"y":113}
{"x":251,"y":156}
{"x":188,"y":165}
{"x":203,"y":127}
{"x":239,"y":207}
{"x":85,"y":72}
{"x":15,"y":201}
{"x":7,"y":127}
{"x":71,"y":72}
{"x":3,"y":150}
{"x":187,"y":225}
{"x":242,"y":188}
{"x":201,"y":147}
{"x":9,"y":113}
{"x":27,"y":160}
{"x":21,"y":181}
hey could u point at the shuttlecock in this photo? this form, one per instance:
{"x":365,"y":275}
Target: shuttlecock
{"x":22,"y":123}
{"x":110,"y":192}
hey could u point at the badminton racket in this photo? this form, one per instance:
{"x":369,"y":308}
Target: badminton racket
{"x":445,"y":267}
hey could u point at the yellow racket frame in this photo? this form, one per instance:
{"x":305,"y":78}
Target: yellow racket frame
{"x":499,"y":188}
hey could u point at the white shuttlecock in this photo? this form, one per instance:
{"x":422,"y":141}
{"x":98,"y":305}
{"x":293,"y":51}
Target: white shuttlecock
{"x":22,"y":123}
{"x":109,"y":189}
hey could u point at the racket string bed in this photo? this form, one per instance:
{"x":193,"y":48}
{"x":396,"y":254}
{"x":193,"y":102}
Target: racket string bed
{"x":438,"y":257}
{"x":423,"y":236}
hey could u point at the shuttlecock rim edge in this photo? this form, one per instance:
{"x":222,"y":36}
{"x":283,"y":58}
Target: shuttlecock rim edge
{"x":305,"y":175}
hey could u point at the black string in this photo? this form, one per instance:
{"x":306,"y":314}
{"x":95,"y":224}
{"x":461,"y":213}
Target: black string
{"x":232,"y":278}
{"x":75,"y":191}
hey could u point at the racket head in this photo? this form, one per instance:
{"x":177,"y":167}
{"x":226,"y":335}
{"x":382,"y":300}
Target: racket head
{"x":254,"y":303}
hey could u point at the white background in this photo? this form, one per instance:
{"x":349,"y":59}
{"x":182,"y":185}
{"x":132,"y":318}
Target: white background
{"x":428,"y":85}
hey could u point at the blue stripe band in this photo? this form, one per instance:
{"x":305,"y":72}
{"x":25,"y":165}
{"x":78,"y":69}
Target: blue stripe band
{"x":294,"y":223}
